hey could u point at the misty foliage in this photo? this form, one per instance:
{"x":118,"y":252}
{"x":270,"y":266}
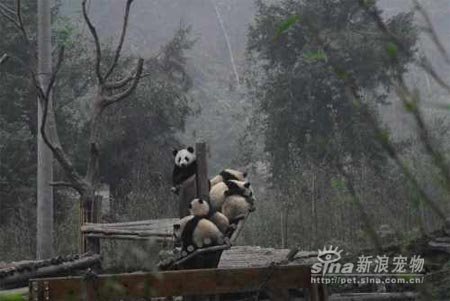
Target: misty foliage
{"x":309,"y":125}
{"x":308,"y":113}
{"x":290,"y":122}
{"x":136,"y":159}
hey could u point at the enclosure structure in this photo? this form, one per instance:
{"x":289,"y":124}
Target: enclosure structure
{"x":159,"y":230}
{"x":274,"y":281}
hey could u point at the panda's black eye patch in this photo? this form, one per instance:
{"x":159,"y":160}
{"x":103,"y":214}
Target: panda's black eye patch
{"x":186,"y":158}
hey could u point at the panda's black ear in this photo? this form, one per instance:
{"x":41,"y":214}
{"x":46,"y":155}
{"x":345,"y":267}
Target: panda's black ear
{"x":174,"y":152}
{"x":190,"y":149}
{"x":247,"y":184}
{"x":231,"y":185}
{"x":245,"y":174}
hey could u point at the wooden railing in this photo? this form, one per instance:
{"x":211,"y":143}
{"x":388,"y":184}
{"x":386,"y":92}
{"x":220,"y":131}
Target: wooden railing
{"x":274,"y":281}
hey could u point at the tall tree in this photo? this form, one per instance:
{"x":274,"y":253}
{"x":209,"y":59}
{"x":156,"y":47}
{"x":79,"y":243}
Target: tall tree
{"x":309,"y":120}
{"x":44,"y":234}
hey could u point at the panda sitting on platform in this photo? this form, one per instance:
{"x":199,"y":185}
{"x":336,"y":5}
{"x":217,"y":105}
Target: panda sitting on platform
{"x":195,"y":232}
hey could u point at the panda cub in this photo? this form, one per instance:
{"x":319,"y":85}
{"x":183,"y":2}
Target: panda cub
{"x":202,"y":208}
{"x":239,"y":201}
{"x":194,"y":232}
{"x":185,"y":166}
{"x":220,"y":191}
{"x":228,"y":174}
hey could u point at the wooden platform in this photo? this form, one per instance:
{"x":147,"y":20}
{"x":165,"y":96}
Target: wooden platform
{"x":251,"y":256}
{"x":157,"y":229}
{"x":175,"y":283}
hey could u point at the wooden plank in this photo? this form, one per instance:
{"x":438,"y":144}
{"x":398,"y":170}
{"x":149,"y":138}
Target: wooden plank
{"x":174,"y":283}
{"x":188,"y":191}
{"x":202,"y":171}
{"x":132,"y":237}
{"x":113,"y":231}
{"x":150,"y":222}
{"x":254,"y":256}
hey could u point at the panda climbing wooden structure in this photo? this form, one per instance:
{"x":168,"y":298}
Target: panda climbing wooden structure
{"x":197,"y":186}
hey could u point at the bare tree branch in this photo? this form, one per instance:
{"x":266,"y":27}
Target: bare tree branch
{"x":431,"y":31}
{"x":62,"y":184}
{"x":15,"y":17}
{"x":98,"y":50}
{"x":20,"y":20}
{"x":123,"y":82}
{"x":121,"y":39}
{"x":6,"y":13}
{"x":3,"y":58}
{"x":421,"y":62}
{"x":354,"y":92}
{"x":56,"y":149}
{"x":411,"y":102}
{"x":109,"y":100}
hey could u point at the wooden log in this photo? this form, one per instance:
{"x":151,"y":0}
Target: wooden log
{"x":152,"y":222}
{"x":131,"y":237}
{"x":21,"y":279}
{"x":106,"y":231}
{"x":202,"y":172}
{"x":174,"y":283}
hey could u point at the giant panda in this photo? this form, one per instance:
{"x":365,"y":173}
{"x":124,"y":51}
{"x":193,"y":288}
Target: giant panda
{"x":239,"y":201}
{"x":221,"y":190}
{"x":196,"y":232}
{"x":202,"y":208}
{"x":242,"y":188}
{"x":217,"y":195}
{"x":185,"y":166}
{"x":228,"y":174}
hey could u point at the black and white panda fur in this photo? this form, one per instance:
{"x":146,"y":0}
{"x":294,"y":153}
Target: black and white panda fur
{"x":185,"y":166}
{"x":228,"y":174}
{"x":221,"y":190}
{"x":196,"y":232}
{"x":202,"y":208}
{"x":239,"y":200}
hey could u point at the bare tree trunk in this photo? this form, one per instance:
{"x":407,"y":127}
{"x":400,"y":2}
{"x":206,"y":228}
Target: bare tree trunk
{"x":284,"y":224}
{"x":314,"y":209}
{"x":44,"y":235}
{"x":227,"y":41}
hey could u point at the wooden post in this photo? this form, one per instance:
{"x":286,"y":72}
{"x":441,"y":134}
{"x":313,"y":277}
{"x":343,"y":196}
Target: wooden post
{"x":197,"y":185}
{"x":202,"y":171}
{"x":89,"y":211}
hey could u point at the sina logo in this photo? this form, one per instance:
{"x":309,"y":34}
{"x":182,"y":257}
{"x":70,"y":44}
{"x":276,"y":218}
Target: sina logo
{"x":328,"y":262}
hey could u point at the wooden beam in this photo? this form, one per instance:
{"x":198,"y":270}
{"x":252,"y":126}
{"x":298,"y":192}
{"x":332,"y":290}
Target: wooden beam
{"x":202,"y":171}
{"x":114,"y":231}
{"x":131,"y":237}
{"x":173,"y":283}
{"x":21,"y":278}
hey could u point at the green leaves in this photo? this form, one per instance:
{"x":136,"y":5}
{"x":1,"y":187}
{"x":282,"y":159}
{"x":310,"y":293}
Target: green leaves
{"x":288,"y":23}
{"x":316,"y":56}
{"x":392,"y":50}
